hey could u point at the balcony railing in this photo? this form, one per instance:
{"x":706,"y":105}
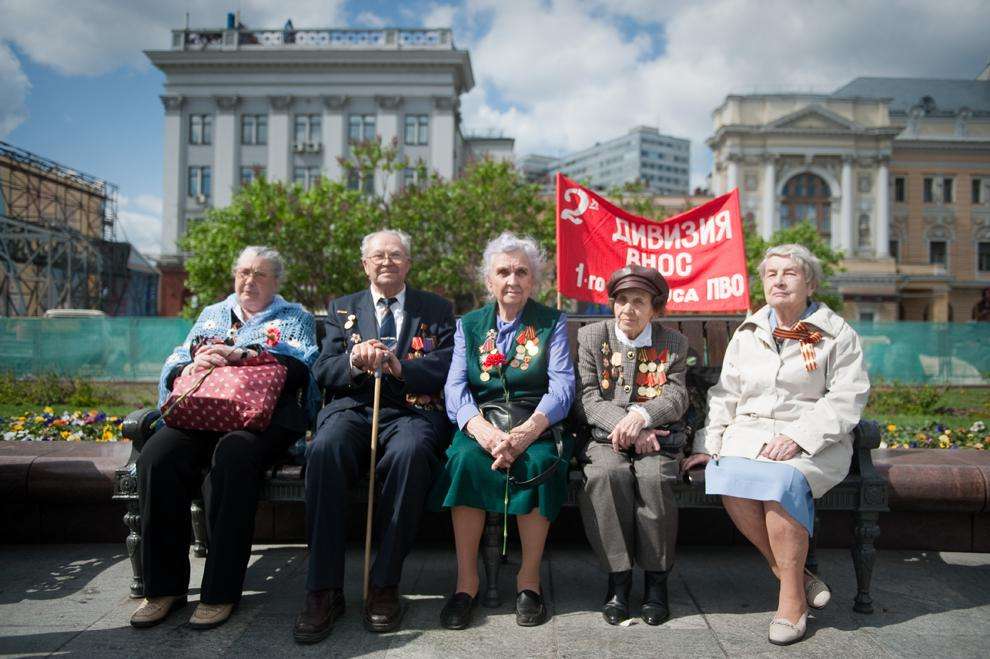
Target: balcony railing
{"x":329,"y":39}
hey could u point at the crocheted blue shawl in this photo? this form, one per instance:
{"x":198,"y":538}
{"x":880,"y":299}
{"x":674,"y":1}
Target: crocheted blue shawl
{"x":297,"y":340}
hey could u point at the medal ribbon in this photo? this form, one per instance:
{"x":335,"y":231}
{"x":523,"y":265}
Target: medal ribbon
{"x":807,"y":337}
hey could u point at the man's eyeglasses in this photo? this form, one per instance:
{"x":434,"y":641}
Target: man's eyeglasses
{"x":244,"y":273}
{"x":379,"y":257}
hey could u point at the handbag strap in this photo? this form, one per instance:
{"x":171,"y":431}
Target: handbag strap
{"x":191,"y":390}
{"x":558,"y":439}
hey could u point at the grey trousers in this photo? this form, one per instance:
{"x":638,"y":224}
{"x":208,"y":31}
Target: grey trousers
{"x":628,"y":508}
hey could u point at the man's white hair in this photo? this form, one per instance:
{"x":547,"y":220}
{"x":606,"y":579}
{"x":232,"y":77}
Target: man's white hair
{"x":401,"y":236}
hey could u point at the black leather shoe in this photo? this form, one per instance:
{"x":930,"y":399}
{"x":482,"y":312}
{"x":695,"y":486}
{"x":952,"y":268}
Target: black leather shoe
{"x":530,"y":609}
{"x":456,"y":613}
{"x":655,"y":609}
{"x":315,"y":622}
{"x":616,"y":607}
{"x":384,"y":610}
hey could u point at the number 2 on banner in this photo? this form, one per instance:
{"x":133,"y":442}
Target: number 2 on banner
{"x":584,"y":203}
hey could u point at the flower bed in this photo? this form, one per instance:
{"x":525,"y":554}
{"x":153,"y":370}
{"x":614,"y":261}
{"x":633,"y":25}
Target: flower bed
{"x":48,"y":426}
{"x":936,"y":435}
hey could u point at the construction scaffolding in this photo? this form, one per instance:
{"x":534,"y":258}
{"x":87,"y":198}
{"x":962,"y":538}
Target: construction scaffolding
{"x":57,"y":230}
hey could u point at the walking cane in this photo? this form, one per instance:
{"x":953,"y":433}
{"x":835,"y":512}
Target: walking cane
{"x":371,"y":478}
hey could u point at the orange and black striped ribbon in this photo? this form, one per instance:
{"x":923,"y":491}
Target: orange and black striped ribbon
{"x":808,"y":338}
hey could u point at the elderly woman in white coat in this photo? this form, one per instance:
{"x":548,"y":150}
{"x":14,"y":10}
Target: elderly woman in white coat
{"x":778,"y":434}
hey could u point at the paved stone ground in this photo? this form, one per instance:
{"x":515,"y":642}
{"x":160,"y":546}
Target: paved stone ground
{"x":72,"y":599}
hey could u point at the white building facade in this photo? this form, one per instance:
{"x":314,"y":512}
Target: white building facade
{"x":662,"y":163}
{"x":286,"y":104}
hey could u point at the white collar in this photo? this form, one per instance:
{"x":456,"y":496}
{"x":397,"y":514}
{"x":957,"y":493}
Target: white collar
{"x":645,"y":338}
{"x":400,"y":298}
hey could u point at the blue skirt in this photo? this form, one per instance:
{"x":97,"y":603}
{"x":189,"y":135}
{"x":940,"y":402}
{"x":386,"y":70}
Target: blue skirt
{"x":763,"y":481}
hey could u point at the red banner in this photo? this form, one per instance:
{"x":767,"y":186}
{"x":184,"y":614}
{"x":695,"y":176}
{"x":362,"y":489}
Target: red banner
{"x":701,"y":253}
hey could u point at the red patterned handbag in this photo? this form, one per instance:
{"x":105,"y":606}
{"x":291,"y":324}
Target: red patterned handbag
{"x":227,"y":398}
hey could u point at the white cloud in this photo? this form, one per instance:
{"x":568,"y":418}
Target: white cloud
{"x":439,"y":15}
{"x":139,"y":221}
{"x":567,"y":74}
{"x":97,"y":36}
{"x":369,"y":19}
{"x":14,"y":87}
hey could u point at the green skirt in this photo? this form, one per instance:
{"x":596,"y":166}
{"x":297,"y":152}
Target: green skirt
{"x":467,"y":479}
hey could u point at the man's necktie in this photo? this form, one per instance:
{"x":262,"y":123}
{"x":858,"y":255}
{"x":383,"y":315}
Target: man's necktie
{"x":387,"y":330}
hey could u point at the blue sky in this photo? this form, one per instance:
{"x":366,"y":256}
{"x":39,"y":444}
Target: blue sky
{"x":558,"y":75}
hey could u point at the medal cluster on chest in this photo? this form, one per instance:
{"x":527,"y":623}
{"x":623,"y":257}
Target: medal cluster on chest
{"x":526,"y":348}
{"x":649,"y":371}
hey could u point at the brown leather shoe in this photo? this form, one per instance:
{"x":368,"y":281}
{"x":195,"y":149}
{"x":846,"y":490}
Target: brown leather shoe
{"x":315,"y":622}
{"x":155,"y":609}
{"x":208,"y":616}
{"x":383,"y":611}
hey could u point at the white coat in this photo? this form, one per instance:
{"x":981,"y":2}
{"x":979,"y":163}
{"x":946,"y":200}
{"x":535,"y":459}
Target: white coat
{"x":762,"y":393}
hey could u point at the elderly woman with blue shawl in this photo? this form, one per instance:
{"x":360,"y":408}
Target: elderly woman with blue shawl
{"x":170,"y":468}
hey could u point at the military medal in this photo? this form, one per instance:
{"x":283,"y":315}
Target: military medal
{"x":485,"y":376}
{"x":605,"y":384}
{"x":350,"y":321}
{"x":616,"y":359}
{"x":355,"y":338}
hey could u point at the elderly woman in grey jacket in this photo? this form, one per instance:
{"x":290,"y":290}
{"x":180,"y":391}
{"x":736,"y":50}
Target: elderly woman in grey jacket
{"x":631,"y":389}
{"x":778,"y":434}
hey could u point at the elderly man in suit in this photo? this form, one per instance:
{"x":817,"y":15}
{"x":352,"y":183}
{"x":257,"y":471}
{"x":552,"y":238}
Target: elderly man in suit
{"x":410,"y":333}
{"x":632,"y":395}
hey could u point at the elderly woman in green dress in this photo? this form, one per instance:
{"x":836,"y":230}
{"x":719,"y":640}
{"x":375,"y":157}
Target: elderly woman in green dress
{"x":513,"y":353}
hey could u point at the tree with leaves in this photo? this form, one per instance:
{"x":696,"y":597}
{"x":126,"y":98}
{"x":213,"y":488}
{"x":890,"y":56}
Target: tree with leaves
{"x":318,"y":231}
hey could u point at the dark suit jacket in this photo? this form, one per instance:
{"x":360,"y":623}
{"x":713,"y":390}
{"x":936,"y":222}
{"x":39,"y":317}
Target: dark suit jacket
{"x":426,"y":314}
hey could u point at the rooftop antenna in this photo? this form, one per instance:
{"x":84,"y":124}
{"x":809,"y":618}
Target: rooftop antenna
{"x":187,"y":21}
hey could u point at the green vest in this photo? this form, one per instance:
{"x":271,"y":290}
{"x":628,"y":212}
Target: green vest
{"x":531,"y":382}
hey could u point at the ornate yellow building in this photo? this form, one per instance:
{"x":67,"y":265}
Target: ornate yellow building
{"x":894,"y":172}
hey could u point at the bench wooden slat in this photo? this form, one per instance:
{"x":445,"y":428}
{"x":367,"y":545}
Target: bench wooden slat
{"x":696,"y":338}
{"x":716,"y":338}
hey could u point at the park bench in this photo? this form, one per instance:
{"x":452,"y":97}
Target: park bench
{"x":863,"y":492}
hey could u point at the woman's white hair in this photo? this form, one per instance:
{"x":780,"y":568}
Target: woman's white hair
{"x":803,"y":257}
{"x":508,"y":242}
{"x":265,"y":253}
{"x":401,"y":236}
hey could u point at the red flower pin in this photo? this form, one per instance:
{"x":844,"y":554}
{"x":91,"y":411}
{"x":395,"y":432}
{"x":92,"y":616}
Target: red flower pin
{"x":493,"y":360}
{"x":272,"y":336}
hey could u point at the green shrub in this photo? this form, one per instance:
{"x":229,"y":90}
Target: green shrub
{"x":905,"y":399}
{"x":51,"y":389}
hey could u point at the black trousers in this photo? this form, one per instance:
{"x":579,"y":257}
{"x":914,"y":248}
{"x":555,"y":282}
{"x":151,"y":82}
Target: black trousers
{"x":170,"y":475}
{"x":339,"y":456}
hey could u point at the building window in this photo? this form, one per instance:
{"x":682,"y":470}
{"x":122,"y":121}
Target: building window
{"x":983,"y":256}
{"x":307,"y":177}
{"x":201,"y":129}
{"x":899,"y":188}
{"x":199,"y":181}
{"x":410,"y":178}
{"x":895,"y":248}
{"x":248,"y":174}
{"x":947,"y":188}
{"x":254,"y":129}
{"x":360,"y":127}
{"x":417,"y":129}
{"x":977,"y":191}
{"x":937,"y":252}
{"x":363,"y":182}
{"x":866,"y":316}
{"x":807,"y":198}
{"x":927,"y":190}
{"x":307,"y":129}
